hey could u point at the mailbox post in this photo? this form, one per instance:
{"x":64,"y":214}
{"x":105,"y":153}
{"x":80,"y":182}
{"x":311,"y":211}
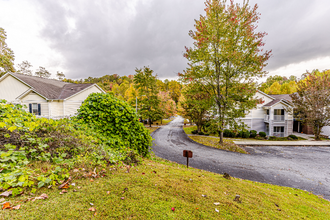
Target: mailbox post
{"x":188,"y":154}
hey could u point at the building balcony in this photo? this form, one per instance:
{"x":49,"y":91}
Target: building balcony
{"x":279,"y":118}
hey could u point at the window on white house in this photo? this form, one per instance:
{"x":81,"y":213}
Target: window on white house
{"x":35,"y":108}
{"x":278,"y":131}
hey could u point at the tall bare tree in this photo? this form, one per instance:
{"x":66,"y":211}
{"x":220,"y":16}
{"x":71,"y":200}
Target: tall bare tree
{"x":42,"y":72}
{"x":24,"y":68}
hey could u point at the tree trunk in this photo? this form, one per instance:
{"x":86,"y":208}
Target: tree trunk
{"x":221,"y":137}
{"x":317,"y":132}
{"x":198,"y":127}
{"x":149,"y":123}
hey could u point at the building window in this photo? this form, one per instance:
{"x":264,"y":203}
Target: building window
{"x":278,"y":131}
{"x":35,"y":108}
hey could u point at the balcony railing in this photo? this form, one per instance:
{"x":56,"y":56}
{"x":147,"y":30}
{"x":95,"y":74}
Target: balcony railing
{"x":278,"y":134}
{"x":266,"y":118}
{"x":279,"y":117}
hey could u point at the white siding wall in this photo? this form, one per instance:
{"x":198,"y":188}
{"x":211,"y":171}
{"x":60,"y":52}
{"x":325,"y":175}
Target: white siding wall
{"x":72,"y":104}
{"x":33,"y":97}
{"x":11,"y":88}
{"x":71,"y":107}
{"x":258,"y":95}
{"x":56,"y":108}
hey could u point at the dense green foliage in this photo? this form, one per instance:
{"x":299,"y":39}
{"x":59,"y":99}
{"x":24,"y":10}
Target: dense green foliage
{"x":115,"y":120}
{"x":149,"y":102}
{"x":311,"y":101}
{"x":63,"y":144}
{"x":276,"y":85}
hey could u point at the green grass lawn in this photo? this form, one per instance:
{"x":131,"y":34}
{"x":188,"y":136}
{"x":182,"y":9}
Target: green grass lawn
{"x":188,"y":129}
{"x":151,"y":129}
{"x":164,"y":122}
{"x":152,"y":189}
{"x":228,"y":145}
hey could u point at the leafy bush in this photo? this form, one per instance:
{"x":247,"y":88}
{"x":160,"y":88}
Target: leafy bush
{"x":25,"y":138}
{"x":294,"y":137}
{"x":227,"y":133}
{"x":115,"y":120}
{"x":194,"y":131}
{"x":201,"y":133}
{"x":240,"y":134}
{"x":246,"y":134}
{"x":272,"y":138}
{"x":233,"y":134}
{"x":253,"y":133}
{"x":262,"y":134}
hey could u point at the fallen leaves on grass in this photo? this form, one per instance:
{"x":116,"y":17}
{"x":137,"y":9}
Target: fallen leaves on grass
{"x":92,"y":209}
{"x":6,"y":194}
{"x":42,"y":196}
{"x":16,"y":207}
{"x":65,"y":184}
{"x":63,"y":191}
{"x":6,"y":205}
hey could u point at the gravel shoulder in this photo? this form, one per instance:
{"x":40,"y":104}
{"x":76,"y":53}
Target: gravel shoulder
{"x":301,"y":167}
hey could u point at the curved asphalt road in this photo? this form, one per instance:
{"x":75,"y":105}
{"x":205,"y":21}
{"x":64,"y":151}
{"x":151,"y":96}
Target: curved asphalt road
{"x":305,"y":168}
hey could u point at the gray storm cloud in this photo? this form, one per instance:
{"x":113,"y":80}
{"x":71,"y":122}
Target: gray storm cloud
{"x":115,"y":37}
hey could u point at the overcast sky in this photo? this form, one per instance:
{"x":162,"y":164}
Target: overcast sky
{"x":86,"y":38}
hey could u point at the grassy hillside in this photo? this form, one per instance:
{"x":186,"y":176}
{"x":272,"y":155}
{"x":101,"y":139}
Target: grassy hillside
{"x":152,"y":189}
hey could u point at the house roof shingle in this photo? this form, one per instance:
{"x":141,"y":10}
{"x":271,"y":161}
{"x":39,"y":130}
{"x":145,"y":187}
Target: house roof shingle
{"x":287,"y":97}
{"x":51,"y":88}
{"x":278,"y":98}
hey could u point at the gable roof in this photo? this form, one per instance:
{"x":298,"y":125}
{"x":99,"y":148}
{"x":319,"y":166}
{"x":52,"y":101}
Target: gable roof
{"x":51,"y":88}
{"x":285,"y":98}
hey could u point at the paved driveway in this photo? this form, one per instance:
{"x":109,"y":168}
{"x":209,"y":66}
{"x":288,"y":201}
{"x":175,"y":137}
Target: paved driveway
{"x":305,"y":168}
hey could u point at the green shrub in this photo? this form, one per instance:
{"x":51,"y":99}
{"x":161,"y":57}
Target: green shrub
{"x":240,"y":134}
{"x":272,"y":138}
{"x":233,"y":134}
{"x":253,"y":133}
{"x":227,"y":133}
{"x":262,"y":134}
{"x":194,"y":132}
{"x":294,"y":137}
{"x":201,"y":133}
{"x":115,"y":120}
{"x":246,"y":134}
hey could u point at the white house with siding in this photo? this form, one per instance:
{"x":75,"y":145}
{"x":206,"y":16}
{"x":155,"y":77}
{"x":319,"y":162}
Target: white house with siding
{"x":274,"y":116}
{"x":45,"y":97}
